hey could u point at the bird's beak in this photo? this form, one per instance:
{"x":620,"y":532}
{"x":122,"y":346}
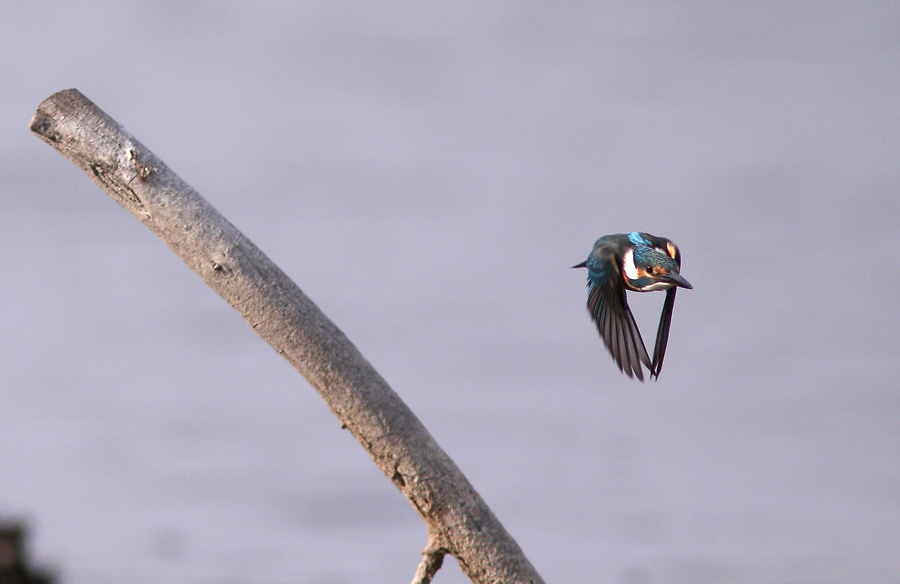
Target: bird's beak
{"x":678,"y":280}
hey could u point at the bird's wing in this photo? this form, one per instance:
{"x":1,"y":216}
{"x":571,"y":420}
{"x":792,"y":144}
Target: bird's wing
{"x":609,"y":310}
{"x":662,"y":334}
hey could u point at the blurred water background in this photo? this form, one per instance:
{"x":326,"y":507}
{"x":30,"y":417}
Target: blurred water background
{"x":427,"y":173}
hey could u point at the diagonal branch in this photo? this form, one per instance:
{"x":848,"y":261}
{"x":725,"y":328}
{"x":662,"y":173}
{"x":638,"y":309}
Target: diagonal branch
{"x":458,"y":519}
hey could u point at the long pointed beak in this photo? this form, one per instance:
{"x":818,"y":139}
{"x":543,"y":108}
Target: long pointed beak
{"x":678,"y":280}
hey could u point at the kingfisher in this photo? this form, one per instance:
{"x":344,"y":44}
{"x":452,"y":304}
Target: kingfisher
{"x":638,"y":262}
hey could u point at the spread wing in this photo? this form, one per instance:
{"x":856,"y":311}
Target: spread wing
{"x":609,"y":310}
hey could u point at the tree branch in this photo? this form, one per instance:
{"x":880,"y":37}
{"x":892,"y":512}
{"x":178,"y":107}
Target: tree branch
{"x":457,"y":518}
{"x":432,"y":559}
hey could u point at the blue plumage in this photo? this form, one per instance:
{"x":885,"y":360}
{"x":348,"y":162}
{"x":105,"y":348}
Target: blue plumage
{"x":638,"y":262}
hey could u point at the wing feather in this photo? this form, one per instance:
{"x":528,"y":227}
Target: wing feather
{"x":615,"y":323}
{"x":631,"y":353}
{"x":662,"y":334}
{"x":639,"y":351}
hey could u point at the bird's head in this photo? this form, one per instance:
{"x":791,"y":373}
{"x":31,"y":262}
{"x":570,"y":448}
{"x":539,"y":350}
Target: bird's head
{"x":646,"y":268}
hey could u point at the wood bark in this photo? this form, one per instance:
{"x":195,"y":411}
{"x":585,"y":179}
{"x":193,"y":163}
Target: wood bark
{"x":458,"y":520}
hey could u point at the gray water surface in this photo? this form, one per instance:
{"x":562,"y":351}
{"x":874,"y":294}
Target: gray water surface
{"x":427,"y":173}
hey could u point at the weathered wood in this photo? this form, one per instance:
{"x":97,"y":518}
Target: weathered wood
{"x":457,"y":518}
{"x":432,"y":559}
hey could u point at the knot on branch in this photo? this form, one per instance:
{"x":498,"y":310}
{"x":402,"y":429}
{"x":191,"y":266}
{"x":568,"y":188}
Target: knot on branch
{"x":220,"y":263}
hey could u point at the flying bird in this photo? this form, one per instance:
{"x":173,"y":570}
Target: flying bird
{"x":638,"y":262}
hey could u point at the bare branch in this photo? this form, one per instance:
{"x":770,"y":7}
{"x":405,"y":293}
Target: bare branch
{"x":457,"y":518}
{"x":432,"y":559}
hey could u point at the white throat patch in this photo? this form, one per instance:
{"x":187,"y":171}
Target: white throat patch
{"x":628,"y":265}
{"x":657,"y":286}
